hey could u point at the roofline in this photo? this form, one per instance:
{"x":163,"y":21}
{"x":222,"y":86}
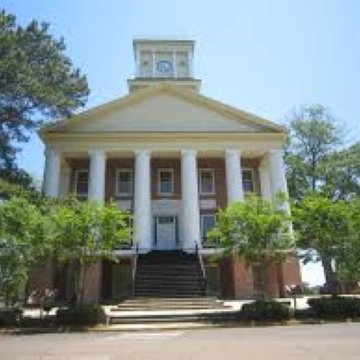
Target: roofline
{"x":163,"y":40}
{"x":163,"y":87}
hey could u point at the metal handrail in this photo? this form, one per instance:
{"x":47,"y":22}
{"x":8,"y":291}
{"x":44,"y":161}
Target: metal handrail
{"x":135,"y":265}
{"x":200,"y":260}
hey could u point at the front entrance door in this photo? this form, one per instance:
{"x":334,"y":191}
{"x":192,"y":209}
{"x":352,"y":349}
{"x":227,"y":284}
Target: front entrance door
{"x":165,"y":232}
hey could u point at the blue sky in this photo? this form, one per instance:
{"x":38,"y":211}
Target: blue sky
{"x":262,"y":56}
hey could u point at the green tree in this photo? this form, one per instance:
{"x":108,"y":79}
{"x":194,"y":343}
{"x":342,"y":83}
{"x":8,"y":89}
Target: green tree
{"x":37,"y":82}
{"x":14,"y":189}
{"x":313,"y":136}
{"x":341,"y":173}
{"x":348,"y":259}
{"x":256,"y":230}
{"x":85,"y":232}
{"x":22,"y":243}
{"x":324,"y":230}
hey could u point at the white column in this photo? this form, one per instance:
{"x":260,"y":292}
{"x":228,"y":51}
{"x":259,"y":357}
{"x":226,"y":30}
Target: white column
{"x":277,"y":175}
{"x":138,"y":63}
{"x":153,"y":59}
{"x":174,"y":64}
{"x":234,"y":183}
{"x":65,"y":173}
{"x":190,"y":64}
{"x":142,"y":202}
{"x":51,"y":173}
{"x":265,"y":184}
{"x":97,"y":175}
{"x":190,"y":201}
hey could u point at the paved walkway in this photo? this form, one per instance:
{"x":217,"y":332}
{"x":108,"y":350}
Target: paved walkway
{"x":310,"y":342}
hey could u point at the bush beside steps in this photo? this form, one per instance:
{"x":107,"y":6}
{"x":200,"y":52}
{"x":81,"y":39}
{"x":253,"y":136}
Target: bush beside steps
{"x":335,"y":307}
{"x":265,"y":310}
{"x":10,"y":317}
{"x":81,"y":315}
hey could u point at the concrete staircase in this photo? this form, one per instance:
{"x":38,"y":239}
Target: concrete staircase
{"x":169,"y":274}
{"x":171,"y":310}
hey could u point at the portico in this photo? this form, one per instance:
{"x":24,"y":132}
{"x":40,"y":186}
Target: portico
{"x":175,"y":213}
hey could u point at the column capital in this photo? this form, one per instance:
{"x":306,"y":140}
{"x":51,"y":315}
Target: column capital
{"x":276,"y":152}
{"x":97,"y":152}
{"x":142,"y":152}
{"x":188,"y":152}
{"x":50,"y":150}
{"x":233,"y":152}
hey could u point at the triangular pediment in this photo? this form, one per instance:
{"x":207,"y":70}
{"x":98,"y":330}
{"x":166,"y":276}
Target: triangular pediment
{"x":163,"y":109}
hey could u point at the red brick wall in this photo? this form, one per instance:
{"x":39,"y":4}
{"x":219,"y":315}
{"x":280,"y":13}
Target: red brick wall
{"x":272,"y":280}
{"x":278,"y":276}
{"x":291,"y":271}
{"x":236,"y":279}
{"x":41,"y":277}
{"x":227,"y":278}
{"x":243,"y":279}
{"x":93,"y":280}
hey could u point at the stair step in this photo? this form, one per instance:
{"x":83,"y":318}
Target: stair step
{"x":184,"y":316}
{"x":169,"y":273}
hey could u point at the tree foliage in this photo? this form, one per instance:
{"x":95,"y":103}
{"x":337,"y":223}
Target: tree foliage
{"x":348,"y":259}
{"x":313,"y":136}
{"x":324,"y":181}
{"x":256,"y":230}
{"x":22,"y":243}
{"x":341,"y":173}
{"x":85,"y":232}
{"x":64,"y":229}
{"x":324,"y":230}
{"x":37,"y":82}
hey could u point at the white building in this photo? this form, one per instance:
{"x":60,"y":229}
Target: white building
{"x":172,"y":157}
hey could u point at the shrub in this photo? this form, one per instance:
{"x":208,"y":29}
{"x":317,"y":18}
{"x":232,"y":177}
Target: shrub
{"x":265,"y":310}
{"x":10,"y":317}
{"x":335,"y":307}
{"x":81,"y":315}
{"x":304,"y":314}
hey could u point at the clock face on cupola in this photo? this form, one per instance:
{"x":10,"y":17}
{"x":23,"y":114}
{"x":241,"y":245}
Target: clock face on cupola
{"x":165,"y":60}
{"x":164,"y":67}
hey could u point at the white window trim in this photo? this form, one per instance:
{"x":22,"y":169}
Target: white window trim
{"x":201,"y":192}
{"x":202,"y":217}
{"x":127,"y":170}
{"x":77,"y":171}
{"x":252,"y":177}
{"x":170,"y":170}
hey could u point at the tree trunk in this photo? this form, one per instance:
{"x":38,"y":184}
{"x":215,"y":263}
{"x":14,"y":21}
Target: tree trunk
{"x":263,"y":269}
{"x":330,"y":276}
{"x":313,"y":168}
{"x":79,"y":283}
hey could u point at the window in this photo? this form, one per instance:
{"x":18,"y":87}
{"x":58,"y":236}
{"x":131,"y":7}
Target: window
{"x":82,"y":182}
{"x":248,"y":180}
{"x":165,"y":181}
{"x":207,"y":182}
{"x":207,"y":224}
{"x":124,"y":182}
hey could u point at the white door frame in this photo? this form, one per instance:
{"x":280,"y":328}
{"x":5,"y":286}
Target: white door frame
{"x":174,"y":242}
